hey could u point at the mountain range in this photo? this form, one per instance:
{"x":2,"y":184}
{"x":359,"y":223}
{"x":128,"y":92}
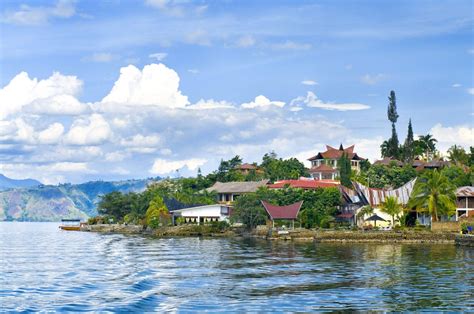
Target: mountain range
{"x":36,"y":202}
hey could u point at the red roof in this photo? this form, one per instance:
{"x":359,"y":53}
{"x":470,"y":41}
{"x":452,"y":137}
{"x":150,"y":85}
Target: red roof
{"x":322,"y":168}
{"x":304,"y":184}
{"x":246,"y":166}
{"x":282,"y":212}
{"x":333,"y":153}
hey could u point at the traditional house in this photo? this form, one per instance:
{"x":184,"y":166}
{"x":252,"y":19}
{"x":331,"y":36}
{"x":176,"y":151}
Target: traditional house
{"x":464,"y":202}
{"x":388,"y":161}
{"x":246,"y":168}
{"x":288,"y":212}
{"x":324,"y":164}
{"x":202,"y":214}
{"x":228,"y":192}
{"x":306,"y":184}
{"x":433,"y":164}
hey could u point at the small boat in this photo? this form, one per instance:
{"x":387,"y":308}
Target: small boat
{"x":71,"y":224}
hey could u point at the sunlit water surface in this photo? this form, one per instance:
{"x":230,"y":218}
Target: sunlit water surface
{"x":43,"y":268}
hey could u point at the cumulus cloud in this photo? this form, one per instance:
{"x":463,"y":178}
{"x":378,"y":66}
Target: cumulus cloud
{"x":311,"y":100}
{"x":22,"y":90}
{"x":447,"y":136}
{"x":29,"y":15}
{"x":91,"y":131}
{"x":210,"y":104}
{"x":155,"y":85}
{"x":162,"y":166}
{"x":51,"y":134}
{"x":262,"y":102}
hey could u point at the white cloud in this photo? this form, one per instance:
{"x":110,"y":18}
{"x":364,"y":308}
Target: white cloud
{"x":28,"y":15}
{"x":159,"y":56}
{"x":471,"y":90}
{"x":16,"y":131}
{"x":92,"y":131}
{"x":290,"y":45}
{"x":51,"y":134}
{"x":120,"y":171}
{"x":262,"y":102}
{"x":210,"y":104}
{"x":162,"y":166}
{"x":101,"y":57}
{"x":311,"y":100}
{"x":456,"y":85}
{"x":155,"y":85}
{"x":140,"y":140}
{"x":447,"y":136}
{"x":115,"y":156}
{"x":309,"y":82}
{"x":246,"y":41}
{"x":58,"y":105}
{"x":372,"y":79}
{"x":22,"y":90}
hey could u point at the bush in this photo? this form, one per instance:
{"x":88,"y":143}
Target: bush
{"x":465,"y":225}
{"x":219,"y":226}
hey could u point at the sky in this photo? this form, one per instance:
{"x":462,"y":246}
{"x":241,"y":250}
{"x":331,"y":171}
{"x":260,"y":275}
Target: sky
{"x":115,"y":90}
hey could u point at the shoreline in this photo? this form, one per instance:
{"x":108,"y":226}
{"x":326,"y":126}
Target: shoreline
{"x":297,"y":235}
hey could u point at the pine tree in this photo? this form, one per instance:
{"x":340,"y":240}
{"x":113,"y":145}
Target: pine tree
{"x":345,"y":170}
{"x":393,"y":149}
{"x":408,"y":146}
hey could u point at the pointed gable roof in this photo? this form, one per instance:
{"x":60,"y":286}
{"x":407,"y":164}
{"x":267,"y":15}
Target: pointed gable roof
{"x":333,"y":153}
{"x":282,"y":212}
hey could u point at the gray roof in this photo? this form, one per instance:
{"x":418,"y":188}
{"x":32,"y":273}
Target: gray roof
{"x":465,"y":191}
{"x":237,"y":187}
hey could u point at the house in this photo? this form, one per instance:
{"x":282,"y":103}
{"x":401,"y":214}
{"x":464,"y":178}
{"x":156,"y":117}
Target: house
{"x":247,"y":168}
{"x":306,"y":184}
{"x":388,"y":161}
{"x":202,"y":214}
{"x":433,"y":164}
{"x":228,"y":192}
{"x":464,"y":202}
{"x":288,"y":212}
{"x":324,"y":164}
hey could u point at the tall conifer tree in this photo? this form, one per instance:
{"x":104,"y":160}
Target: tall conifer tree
{"x":393,"y":149}
{"x":408,"y":147}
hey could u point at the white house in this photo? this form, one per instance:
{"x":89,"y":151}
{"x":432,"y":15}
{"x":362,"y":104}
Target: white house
{"x":203,"y":214}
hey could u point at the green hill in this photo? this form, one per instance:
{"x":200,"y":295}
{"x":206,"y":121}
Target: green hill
{"x":52,"y":203}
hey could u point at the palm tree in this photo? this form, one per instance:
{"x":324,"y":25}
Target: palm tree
{"x":458,"y":155}
{"x":384,"y":149}
{"x":434,"y":193}
{"x":391,"y":207}
{"x":428,"y":142}
{"x":365,"y":211}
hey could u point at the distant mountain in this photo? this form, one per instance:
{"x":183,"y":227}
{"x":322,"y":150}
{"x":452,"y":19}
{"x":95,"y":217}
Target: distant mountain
{"x":7,"y":183}
{"x":53,"y":202}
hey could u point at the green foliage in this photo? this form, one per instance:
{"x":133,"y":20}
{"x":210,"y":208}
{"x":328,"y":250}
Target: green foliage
{"x":458,"y":176}
{"x":390,"y":148}
{"x":427,"y":144}
{"x":391,"y":176}
{"x":392,"y":108}
{"x":458,"y":155}
{"x":249,"y":211}
{"x":366,"y":210}
{"x":409,"y":145}
{"x":279,"y":169}
{"x":345,"y":170}
{"x":435,"y":194}
{"x":392,"y":207}
{"x":157,"y":213}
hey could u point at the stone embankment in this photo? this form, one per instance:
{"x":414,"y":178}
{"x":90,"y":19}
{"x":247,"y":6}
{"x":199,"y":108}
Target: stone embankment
{"x":465,"y":240}
{"x":176,"y":231}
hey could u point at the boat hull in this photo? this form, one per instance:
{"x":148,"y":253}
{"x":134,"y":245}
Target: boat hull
{"x":70,"y":228}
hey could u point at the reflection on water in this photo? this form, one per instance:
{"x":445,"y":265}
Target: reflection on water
{"x":43,"y":268}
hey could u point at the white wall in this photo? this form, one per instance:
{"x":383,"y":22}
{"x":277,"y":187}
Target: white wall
{"x":201,"y":211}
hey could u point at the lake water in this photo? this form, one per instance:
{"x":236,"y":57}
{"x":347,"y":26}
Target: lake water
{"x":43,"y":268}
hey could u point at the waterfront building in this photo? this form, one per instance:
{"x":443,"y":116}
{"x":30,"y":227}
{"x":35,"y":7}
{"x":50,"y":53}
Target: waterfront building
{"x":288,"y":212}
{"x":228,"y":192}
{"x":324,"y":164}
{"x":464,"y":202}
{"x":202,"y":214}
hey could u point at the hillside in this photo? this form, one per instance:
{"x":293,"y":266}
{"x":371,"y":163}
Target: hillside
{"x":7,"y":183}
{"x":51,"y":202}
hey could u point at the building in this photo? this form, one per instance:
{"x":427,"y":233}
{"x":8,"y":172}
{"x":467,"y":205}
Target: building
{"x":388,"y":161}
{"x":324,"y":164}
{"x":288,"y":212}
{"x":247,"y":168}
{"x":306,"y":184}
{"x":464,"y":202}
{"x":228,"y":192}
{"x":202,"y":214}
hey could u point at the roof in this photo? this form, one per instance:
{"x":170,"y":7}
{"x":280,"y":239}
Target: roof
{"x":388,"y":161}
{"x":333,"y":153}
{"x":322,"y":168}
{"x":436,"y":164}
{"x":196,"y":207}
{"x":282,"y":212}
{"x":246,"y":166}
{"x":304,"y":184}
{"x":237,"y":187}
{"x":465,"y":191}
{"x":375,"y":197}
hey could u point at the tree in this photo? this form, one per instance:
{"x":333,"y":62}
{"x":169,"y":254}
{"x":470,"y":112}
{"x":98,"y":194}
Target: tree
{"x":458,"y":155}
{"x":428,"y":144}
{"x":345,"y":170}
{"x":433,"y":193}
{"x":279,"y":169}
{"x":366,"y":210}
{"x":249,"y":211}
{"x":157,"y":213}
{"x":391,"y":207}
{"x":408,"y":146}
{"x":393,"y":149}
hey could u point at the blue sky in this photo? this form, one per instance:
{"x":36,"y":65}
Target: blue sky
{"x":324,"y":70}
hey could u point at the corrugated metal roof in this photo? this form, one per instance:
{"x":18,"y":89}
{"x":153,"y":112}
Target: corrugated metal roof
{"x":465,"y":191}
{"x":375,"y":197}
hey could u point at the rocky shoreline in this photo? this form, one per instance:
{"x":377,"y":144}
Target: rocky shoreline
{"x":405,"y":236}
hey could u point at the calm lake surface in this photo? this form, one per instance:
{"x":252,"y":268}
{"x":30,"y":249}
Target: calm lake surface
{"x":43,"y":268}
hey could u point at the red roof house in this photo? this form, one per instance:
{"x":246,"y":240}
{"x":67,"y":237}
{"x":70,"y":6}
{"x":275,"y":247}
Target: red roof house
{"x":289,"y":212}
